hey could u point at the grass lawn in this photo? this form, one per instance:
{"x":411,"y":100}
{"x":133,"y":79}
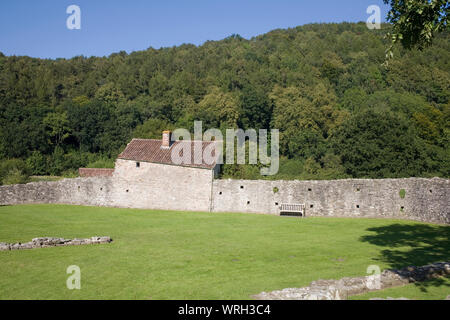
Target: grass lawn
{"x":45,"y":178}
{"x":436,"y":289}
{"x":185,"y":255}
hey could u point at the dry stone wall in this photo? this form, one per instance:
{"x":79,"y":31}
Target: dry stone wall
{"x":154,"y":186}
{"x":412,"y":198}
{"x":96,"y":191}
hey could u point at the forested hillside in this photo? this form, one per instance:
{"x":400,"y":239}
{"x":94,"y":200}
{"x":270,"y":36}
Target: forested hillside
{"x":340,"y":112}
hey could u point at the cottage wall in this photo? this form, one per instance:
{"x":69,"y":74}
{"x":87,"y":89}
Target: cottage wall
{"x":160,"y":186}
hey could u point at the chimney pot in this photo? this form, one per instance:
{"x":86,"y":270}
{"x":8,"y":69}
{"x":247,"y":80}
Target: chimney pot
{"x":166,"y":139}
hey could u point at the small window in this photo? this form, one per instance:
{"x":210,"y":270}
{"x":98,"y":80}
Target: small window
{"x":358,"y":189}
{"x":311,"y":206}
{"x":248,"y":202}
{"x":357,"y":206}
{"x":128,"y":190}
{"x":242,"y":187}
{"x":402,"y":208}
{"x":220,"y":192}
{"x":431,"y":191}
{"x":138,"y":164}
{"x":276,"y":203}
{"x":101,"y":189}
{"x":309,"y":189}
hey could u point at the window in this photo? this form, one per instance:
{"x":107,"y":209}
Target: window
{"x":248,"y":202}
{"x":242,"y":187}
{"x":220,"y":192}
{"x":309,"y":189}
{"x":311,"y":206}
{"x":357,"y":206}
{"x":138,"y":164}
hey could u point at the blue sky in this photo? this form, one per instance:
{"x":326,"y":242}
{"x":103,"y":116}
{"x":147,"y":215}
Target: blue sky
{"x":37,"y":28}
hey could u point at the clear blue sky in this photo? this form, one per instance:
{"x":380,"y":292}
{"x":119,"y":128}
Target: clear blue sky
{"x":37,"y":28}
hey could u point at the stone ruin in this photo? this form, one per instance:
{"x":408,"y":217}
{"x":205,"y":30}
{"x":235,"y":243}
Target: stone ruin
{"x":345,"y":287}
{"x":52,"y":242}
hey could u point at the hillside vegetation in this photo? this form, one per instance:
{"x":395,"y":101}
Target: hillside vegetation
{"x":339,"y":111}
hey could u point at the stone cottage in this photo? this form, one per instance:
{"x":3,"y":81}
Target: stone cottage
{"x":150,"y":178}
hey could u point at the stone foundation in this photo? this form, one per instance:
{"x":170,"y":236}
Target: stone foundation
{"x":341,"y":289}
{"x":52,"y":242}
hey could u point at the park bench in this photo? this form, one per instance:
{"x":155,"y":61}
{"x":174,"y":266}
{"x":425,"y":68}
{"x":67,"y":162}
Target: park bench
{"x":292,"y":209}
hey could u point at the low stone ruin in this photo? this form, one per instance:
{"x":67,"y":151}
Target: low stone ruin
{"x":52,"y":242}
{"x":341,"y":289}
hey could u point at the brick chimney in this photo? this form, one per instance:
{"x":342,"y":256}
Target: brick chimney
{"x":166,"y":135}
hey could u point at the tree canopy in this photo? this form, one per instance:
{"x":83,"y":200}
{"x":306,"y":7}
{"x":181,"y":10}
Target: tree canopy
{"x":415,"y":22}
{"x":340,"y":112}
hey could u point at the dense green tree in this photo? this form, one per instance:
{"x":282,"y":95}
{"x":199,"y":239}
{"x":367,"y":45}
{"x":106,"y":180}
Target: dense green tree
{"x":58,"y":126}
{"x":152,"y":129}
{"x":416,"y":21}
{"x":379,"y":145}
{"x":313,"y":83}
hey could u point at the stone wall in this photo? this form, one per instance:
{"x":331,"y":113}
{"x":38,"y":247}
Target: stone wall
{"x":151,"y":186}
{"x":158,"y":186}
{"x":154,"y":186}
{"x":95,"y":191}
{"x":424,"y":199}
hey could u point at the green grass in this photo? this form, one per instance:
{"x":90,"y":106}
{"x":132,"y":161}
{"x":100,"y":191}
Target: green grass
{"x":45,"y":178}
{"x":436,"y":289}
{"x":185,"y":255}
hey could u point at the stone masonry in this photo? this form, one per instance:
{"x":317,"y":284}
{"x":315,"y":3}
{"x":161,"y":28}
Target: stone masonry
{"x":341,"y":289}
{"x":52,"y":242}
{"x":157,"y":186}
{"x":412,"y":198}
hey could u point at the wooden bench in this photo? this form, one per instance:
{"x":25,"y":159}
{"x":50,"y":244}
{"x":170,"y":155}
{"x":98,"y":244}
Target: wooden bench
{"x":292,"y":208}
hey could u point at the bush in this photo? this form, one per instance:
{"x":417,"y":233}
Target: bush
{"x":37,"y":163}
{"x":14,"y":171}
{"x":15,"y":176}
{"x":102,"y":163}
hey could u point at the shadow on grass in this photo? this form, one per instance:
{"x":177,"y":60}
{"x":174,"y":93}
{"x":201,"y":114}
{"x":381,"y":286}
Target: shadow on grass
{"x":436,"y":282}
{"x":412,"y":245}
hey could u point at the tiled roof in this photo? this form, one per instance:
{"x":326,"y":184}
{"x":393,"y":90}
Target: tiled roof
{"x":150,"y":150}
{"x":95,"y":172}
